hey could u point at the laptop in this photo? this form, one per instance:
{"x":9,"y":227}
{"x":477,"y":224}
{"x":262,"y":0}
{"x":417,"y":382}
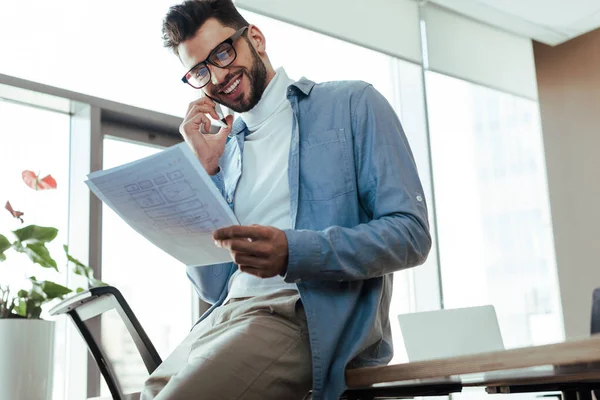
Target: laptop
{"x":450,"y":333}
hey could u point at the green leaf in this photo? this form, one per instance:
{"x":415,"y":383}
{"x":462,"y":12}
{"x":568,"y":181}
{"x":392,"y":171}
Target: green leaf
{"x":93,"y":282}
{"x":36,"y":234}
{"x":83,"y":270}
{"x":80,"y":268}
{"x":21,"y":308}
{"x":79,"y":290}
{"x":54,"y":290}
{"x":22,"y":293}
{"x":34,"y":311}
{"x":39,"y":254}
{"x":4,"y":244}
{"x":36,"y":295}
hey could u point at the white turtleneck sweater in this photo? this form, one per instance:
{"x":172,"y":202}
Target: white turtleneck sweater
{"x":263,"y":194}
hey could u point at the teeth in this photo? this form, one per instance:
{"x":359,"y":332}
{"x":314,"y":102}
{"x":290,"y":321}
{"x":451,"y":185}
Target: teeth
{"x":232,"y":87}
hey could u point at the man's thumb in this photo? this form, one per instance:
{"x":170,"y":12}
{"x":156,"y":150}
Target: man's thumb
{"x":224,"y":131}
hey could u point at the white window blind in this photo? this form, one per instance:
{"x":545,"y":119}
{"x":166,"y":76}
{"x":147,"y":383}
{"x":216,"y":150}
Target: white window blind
{"x":387,"y":26}
{"x":461,"y":47}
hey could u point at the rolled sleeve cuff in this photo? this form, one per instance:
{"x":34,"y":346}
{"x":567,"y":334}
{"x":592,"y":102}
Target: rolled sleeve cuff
{"x":304,"y":255}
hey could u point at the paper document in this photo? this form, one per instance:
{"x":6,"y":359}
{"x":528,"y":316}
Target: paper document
{"x":170,"y":200}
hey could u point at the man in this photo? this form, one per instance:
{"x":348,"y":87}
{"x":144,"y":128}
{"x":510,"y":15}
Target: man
{"x":324,"y":184}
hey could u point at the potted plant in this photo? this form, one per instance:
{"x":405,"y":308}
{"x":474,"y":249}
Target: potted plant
{"x":26,"y":340}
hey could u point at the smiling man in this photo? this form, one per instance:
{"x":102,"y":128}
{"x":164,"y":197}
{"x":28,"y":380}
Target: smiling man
{"x":324,"y":184}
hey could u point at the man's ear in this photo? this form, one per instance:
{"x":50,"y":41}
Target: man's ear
{"x":257,"y":39}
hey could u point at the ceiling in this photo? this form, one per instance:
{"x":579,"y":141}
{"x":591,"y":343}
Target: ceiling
{"x":547,"y":21}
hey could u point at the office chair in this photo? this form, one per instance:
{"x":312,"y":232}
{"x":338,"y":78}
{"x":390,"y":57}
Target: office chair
{"x":94,"y":302}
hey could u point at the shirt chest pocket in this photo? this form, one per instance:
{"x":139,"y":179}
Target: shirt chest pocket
{"x":326,"y":169}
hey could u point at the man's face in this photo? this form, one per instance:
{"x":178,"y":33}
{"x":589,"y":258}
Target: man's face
{"x":247,"y":75}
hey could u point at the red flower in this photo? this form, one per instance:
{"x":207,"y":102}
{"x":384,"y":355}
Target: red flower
{"x":34,"y":182}
{"x":16,"y":214}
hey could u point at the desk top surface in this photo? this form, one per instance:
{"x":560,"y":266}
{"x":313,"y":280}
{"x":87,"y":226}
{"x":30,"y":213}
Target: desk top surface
{"x":571,"y":361}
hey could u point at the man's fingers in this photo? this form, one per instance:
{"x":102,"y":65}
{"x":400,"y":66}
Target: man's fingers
{"x":190,"y":127}
{"x":248,"y":260}
{"x":237,"y":231}
{"x":256,"y":248}
{"x":204,"y":109}
{"x":261,"y":273}
{"x":196,"y":120}
{"x":225,"y":130}
{"x":201,"y":101}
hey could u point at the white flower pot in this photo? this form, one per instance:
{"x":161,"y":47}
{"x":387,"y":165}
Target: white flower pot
{"x":26,"y":359}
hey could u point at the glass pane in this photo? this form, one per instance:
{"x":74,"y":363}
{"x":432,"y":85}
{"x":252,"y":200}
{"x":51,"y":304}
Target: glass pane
{"x":153,"y":283}
{"x":56,"y":28}
{"x":495,"y":231}
{"x":37,"y":140}
{"x":331,"y":60}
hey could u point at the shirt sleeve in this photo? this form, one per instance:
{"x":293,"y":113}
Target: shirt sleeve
{"x":210,"y":281}
{"x":397,"y":236}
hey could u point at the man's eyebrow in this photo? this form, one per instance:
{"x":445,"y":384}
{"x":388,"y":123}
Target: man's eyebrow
{"x":203,"y":60}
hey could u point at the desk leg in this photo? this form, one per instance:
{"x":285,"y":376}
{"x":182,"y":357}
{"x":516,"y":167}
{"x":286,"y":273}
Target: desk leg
{"x":569,"y":395}
{"x":577,"y":395}
{"x":584,"y":395}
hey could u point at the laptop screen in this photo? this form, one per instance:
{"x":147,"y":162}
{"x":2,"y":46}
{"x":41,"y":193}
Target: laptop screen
{"x":450,"y":333}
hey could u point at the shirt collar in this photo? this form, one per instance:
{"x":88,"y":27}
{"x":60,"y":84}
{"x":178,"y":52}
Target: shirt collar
{"x":304,"y":85}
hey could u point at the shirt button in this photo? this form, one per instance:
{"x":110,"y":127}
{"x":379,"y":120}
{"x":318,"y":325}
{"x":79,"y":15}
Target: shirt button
{"x":298,"y":280}
{"x":229,"y":199}
{"x":419,"y":198}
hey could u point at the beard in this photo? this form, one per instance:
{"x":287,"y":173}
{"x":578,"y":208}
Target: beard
{"x":257,"y":79}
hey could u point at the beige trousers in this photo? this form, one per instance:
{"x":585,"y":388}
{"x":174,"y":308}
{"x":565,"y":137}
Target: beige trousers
{"x":251,"y":348}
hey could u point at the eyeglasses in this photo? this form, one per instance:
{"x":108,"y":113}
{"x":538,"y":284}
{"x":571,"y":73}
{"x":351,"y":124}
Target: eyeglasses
{"x":221,"y":56}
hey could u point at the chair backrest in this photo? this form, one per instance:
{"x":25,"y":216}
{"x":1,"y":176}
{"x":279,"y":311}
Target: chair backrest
{"x":596,"y":311}
{"x":93,"y":303}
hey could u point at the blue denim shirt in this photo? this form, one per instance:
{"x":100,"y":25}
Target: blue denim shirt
{"x":358,"y":214}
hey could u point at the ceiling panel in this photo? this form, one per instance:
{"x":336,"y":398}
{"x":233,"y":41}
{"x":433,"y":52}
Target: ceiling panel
{"x":548,"y":21}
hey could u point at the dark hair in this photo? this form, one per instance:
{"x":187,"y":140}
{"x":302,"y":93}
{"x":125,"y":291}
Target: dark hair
{"x":183,"y":20}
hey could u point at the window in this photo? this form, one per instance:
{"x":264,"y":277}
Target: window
{"x":38,"y":140}
{"x":96,"y":49}
{"x":153,"y":283}
{"x":495,"y":232}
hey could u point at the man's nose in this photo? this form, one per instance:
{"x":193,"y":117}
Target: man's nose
{"x":217,"y":75}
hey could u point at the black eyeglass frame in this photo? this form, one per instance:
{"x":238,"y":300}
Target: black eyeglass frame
{"x":229,"y":41}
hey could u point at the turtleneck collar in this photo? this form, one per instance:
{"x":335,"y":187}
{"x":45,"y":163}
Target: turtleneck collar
{"x":273,"y":98}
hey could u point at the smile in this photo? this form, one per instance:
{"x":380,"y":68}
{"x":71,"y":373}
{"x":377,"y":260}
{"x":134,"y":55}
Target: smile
{"x":233,"y":86}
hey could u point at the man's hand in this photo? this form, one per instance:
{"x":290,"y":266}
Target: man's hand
{"x":258,"y":250}
{"x":207,"y":147}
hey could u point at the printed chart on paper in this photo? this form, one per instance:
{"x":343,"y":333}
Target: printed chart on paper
{"x":169,"y":199}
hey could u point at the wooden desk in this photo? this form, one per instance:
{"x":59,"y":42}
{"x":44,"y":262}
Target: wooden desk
{"x":572,"y":366}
